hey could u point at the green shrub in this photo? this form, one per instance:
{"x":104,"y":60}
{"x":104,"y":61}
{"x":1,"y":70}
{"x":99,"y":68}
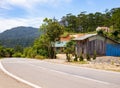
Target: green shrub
{"x":75,"y":59}
{"x":88,"y":57}
{"x":81,"y":57}
{"x":17,"y":54}
{"x":68,"y":57}
{"x":94,"y":56}
{"x":39,"y":57}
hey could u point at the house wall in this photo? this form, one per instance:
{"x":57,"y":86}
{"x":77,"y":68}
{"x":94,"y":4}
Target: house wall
{"x":97,"y":46}
{"x":96,"y":43}
{"x":93,"y":44}
{"x":81,"y":47}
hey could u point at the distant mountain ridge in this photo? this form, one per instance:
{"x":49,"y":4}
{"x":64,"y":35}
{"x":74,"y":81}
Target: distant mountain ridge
{"x":23,"y":36}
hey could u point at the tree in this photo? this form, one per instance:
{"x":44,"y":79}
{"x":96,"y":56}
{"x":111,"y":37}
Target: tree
{"x":2,"y":51}
{"x":70,"y":22}
{"x":70,"y":49}
{"x":43,"y":46}
{"x":29,"y":52}
{"x":52,"y":31}
{"x":116,"y":18}
{"x":6,"y":52}
{"x":9,"y":52}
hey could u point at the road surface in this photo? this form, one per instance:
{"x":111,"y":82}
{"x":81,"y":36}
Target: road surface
{"x":9,"y":82}
{"x":51,"y":75}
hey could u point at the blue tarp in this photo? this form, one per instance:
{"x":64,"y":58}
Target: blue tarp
{"x":113,"y":50}
{"x":60,"y":44}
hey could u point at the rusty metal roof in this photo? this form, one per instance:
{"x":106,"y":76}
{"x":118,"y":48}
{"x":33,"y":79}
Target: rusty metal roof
{"x":84,"y":37}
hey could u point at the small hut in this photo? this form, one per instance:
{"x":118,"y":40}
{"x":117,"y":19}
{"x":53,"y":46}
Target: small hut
{"x":94,"y":43}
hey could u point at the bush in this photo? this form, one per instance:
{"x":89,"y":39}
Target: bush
{"x":100,"y":32}
{"x":68,"y":57}
{"x":88,"y":57}
{"x":81,"y":57}
{"x":39,"y":57}
{"x":94,"y":56}
{"x":75,"y":59}
{"x":18,"y":54}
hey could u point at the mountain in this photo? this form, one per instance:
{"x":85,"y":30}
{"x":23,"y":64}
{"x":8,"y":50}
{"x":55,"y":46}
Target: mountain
{"x":23,"y":36}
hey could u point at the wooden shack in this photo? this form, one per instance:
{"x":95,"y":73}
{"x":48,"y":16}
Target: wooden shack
{"x":94,"y":43}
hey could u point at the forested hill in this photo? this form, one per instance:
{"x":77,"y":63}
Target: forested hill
{"x":23,"y":36}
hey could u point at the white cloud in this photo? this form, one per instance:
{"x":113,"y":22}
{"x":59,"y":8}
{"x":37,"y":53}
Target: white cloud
{"x":4,"y":4}
{"x":30,"y":4}
{"x":14,"y":22}
{"x":90,"y":2}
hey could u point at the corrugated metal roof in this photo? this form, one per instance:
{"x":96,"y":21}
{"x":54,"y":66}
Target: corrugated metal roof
{"x":60,"y":44}
{"x":84,"y":37}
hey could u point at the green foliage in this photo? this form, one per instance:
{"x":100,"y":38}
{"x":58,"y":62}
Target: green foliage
{"x":76,"y":57}
{"x":17,"y":54}
{"x":23,"y":36}
{"x":29,"y":52}
{"x":2,"y":51}
{"x":80,"y":62}
{"x":6,"y":52}
{"x":85,"y":22}
{"x":70,"y":49}
{"x":42,"y":46}
{"x":52,"y":31}
{"x":100,"y":32}
{"x":94,"y":56}
{"x":65,"y":34}
{"x":81,"y":57}
{"x":115,"y":19}
{"x":18,"y":48}
{"x":89,"y":22}
{"x":68,"y":58}
{"x":39,"y":57}
{"x":88,"y":57}
{"x":9,"y":52}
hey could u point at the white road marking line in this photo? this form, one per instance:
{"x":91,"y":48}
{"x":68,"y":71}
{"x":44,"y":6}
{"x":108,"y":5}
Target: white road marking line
{"x":67,"y":65}
{"x":17,"y":78}
{"x":98,"y":81}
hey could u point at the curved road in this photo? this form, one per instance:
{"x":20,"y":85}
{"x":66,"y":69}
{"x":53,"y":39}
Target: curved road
{"x":51,"y":75}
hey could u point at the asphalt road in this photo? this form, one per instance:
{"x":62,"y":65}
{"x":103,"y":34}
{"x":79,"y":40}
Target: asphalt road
{"x":51,"y":75}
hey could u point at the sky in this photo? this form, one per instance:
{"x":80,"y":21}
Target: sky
{"x":15,"y":13}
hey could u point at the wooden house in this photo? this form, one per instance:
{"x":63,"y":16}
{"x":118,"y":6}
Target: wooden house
{"x":94,"y":43}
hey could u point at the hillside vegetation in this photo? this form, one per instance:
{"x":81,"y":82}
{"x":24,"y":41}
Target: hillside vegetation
{"x":22,"y":36}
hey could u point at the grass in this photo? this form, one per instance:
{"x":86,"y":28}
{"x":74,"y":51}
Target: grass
{"x":79,"y":62}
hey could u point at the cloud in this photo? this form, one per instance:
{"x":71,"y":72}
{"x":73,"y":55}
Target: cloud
{"x":30,"y":4}
{"x":90,"y":2}
{"x":31,"y":8}
{"x":6,"y":23}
